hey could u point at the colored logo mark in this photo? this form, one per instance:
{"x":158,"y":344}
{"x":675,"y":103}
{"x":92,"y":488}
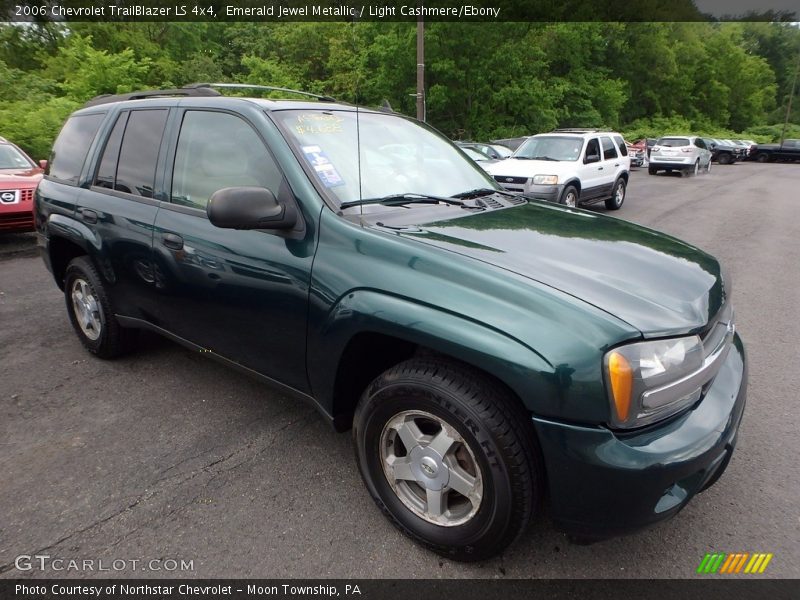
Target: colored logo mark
{"x":739,"y":562}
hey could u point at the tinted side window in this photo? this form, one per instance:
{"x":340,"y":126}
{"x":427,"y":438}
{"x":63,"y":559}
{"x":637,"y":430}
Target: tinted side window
{"x":72,"y":145}
{"x":623,"y":149}
{"x":608,"y":148}
{"x":136,"y":171}
{"x":593,"y":147}
{"x":699,"y":143}
{"x":107,"y":171}
{"x":218,"y":150}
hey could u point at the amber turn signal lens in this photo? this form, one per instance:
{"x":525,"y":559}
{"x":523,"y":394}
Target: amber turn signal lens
{"x":621,"y":376}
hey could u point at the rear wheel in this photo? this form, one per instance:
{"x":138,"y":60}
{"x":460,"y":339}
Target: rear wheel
{"x":696,"y":168}
{"x":449,"y":456}
{"x":652,"y":170}
{"x":708,"y":166}
{"x":762,"y":157}
{"x":618,"y":197}
{"x":91,"y":312}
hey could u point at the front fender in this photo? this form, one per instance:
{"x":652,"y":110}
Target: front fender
{"x":519,"y":366}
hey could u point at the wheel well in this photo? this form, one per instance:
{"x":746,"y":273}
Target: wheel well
{"x":576,"y":183}
{"x":366,"y":356}
{"x":624,"y":176}
{"x":62,"y":251}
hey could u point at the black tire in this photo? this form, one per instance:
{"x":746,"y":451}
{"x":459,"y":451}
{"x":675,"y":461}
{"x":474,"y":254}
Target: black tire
{"x":762,"y":157}
{"x":618,"y":195}
{"x":81,"y":280}
{"x":652,"y":170}
{"x":724,"y":159}
{"x":570,"y":192}
{"x":494,"y":428}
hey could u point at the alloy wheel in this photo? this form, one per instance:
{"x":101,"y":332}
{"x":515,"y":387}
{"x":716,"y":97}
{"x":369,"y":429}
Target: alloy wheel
{"x":431,"y":468}
{"x":88,"y":311}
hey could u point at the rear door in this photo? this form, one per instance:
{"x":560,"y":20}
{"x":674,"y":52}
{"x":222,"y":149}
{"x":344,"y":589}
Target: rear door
{"x":613,"y":164}
{"x":119,"y":208}
{"x":242,"y":295}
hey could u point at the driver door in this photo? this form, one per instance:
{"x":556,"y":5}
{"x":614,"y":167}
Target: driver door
{"x":241,"y":295}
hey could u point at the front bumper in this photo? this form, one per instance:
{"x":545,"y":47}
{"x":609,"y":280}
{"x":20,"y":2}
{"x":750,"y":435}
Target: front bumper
{"x":603,"y":483}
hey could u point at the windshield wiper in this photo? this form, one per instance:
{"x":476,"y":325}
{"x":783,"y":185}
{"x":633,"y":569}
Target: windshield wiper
{"x":478,"y":192}
{"x":544,"y":158}
{"x":399,"y":199}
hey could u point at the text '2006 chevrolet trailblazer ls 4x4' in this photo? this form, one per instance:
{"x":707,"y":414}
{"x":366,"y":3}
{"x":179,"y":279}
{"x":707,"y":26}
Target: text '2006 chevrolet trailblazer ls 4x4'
{"x":490,"y":353}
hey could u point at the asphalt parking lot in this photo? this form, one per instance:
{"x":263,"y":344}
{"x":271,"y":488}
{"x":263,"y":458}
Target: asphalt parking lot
{"x":166,"y":455}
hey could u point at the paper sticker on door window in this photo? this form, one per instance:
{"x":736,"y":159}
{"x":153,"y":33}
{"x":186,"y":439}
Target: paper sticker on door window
{"x":326,"y":172}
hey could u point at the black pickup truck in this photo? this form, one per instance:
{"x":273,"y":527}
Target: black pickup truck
{"x":789,"y":150}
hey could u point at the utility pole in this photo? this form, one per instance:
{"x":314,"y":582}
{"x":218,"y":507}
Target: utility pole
{"x":421,"y":116}
{"x":791,"y":95}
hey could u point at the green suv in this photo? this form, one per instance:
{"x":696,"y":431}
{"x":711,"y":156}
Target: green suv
{"x":490,"y":353}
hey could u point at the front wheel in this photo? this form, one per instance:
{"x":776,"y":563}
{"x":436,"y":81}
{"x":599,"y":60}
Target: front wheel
{"x":570,"y":196}
{"x":762,"y":157}
{"x":449,"y":456}
{"x":618,"y":197}
{"x":652,"y":170}
{"x":725,"y":159}
{"x":708,"y":166}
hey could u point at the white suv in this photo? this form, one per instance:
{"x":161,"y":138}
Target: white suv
{"x":569,"y":166}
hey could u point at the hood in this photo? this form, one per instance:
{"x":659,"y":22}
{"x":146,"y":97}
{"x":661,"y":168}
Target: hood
{"x":515,"y":167}
{"x":21,"y":177}
{"x":654,"y":282}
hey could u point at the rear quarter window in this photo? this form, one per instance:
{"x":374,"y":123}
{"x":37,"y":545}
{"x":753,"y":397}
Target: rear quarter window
{"x":71,"y":147}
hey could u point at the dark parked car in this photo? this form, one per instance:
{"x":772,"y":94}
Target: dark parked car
{"x":722,"y":153}
{"x":489,"y":352}
{"x":19,"y":176}
{"x":789,"y":150}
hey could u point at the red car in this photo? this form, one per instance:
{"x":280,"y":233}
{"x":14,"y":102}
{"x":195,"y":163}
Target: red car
{"x":19,"y":176}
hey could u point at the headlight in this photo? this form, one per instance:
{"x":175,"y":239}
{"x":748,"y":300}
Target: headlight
{"x":545,"y":179}
{"x":636,"y":369}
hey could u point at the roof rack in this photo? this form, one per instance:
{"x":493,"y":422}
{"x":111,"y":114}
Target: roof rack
{"x":141,"y":94}
{"x":580,"y":130}
{"x":252,"y":86}
{"x":194,"y":90}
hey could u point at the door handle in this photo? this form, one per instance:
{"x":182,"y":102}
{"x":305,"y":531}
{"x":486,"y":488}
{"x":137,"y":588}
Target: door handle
{"x":599,"y":168}
{"x":172,"y":241}
{"x":616,"y":164}
{"x":88,"y":215}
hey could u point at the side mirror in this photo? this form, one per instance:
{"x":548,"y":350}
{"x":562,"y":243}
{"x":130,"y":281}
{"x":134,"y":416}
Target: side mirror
{"x":249,"y":208}
{"x":591,"y":158}
{"x":43,"y":164}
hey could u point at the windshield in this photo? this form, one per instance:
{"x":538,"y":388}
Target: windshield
{"x":474,"y":154}
{"x":502,"y":151}
{"x":550,"y":148}
{"x":673,"y":142}
{"x":398,"y":156}
{"x":11,"y":158}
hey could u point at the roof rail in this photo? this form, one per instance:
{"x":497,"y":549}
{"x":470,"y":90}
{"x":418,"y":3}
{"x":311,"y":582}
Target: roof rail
{"x":580,"y":130}
{"x":141,"y":94}
{"x":252,"y":86}
{"x":194,"y":90}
